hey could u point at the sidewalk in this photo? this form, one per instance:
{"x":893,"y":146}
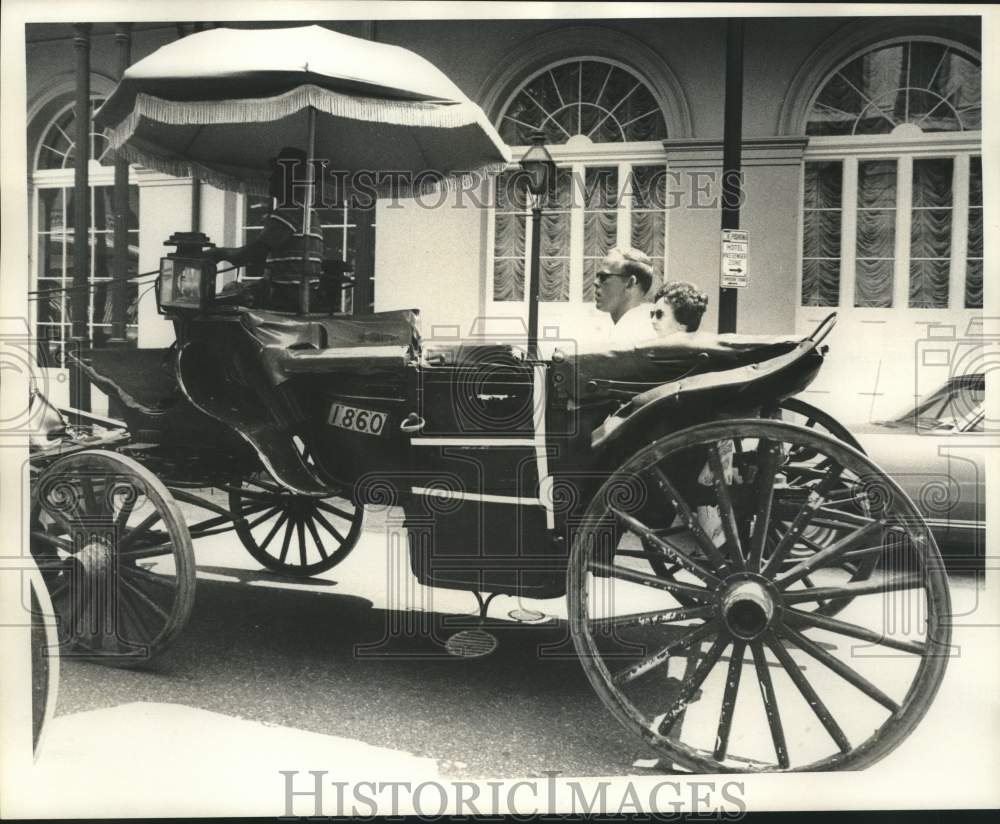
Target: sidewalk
{"x":151,"y":758}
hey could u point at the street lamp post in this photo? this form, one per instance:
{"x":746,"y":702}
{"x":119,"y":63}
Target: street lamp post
{"x":539,"y":167}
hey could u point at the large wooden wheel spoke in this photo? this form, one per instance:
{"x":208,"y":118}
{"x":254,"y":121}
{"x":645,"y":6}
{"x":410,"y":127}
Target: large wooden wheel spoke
{"x":670,"y":550}
{"x":779,"y":563}
{"x":733,"y":676}
{"x":726,"y":512}
{"x":636,"y":577}
{"x":650,"y":662}
{"x":770,"y":704}
{"x":689,"y":685}
{"x":111,"y":608}
{"x":318,"y":533}
{"x":840,"y":668}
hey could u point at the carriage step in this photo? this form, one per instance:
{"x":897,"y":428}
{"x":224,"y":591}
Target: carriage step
{"x":471,"y":643}
{"x":527,"y":616}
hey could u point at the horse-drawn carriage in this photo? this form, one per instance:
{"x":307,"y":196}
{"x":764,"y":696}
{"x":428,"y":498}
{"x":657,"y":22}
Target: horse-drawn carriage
{"x":519,"y":476}
{"x":693,"y":534}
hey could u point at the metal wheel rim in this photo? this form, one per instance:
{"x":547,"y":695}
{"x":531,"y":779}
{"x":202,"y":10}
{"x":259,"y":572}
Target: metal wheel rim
{"x":294,"y":519}
{"x":143,"y":624}
{"x":891,"y":732}
{"x":45,"y":631}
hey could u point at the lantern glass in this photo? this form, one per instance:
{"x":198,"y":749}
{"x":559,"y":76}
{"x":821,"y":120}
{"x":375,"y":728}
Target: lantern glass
{"x":538,"y":164}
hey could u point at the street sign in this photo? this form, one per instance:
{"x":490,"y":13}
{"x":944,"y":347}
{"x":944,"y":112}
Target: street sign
{"x":733,"y":272}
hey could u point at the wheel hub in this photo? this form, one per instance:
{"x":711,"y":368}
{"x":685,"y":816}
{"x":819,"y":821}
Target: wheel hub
{"x":301,"y":506}
{"x":747,"y":608}
{"x":94,"y":558}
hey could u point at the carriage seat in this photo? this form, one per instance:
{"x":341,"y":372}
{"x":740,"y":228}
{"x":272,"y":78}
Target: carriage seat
{"x":607,"y":372}
{"x":320,"y":344}
{"x":740,"y":389}
{"x":399,"y":327}
{"x":150,"y":400}
{"x":141,"y":379}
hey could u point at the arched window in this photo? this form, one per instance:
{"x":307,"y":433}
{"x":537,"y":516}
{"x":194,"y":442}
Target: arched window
{"x":595,"y":100}
{"x":892,"y":212}
{"x":910,"y":87}
{"x":53,"y":230}
{"x":57,"y":148}
{"x":605,"y":130}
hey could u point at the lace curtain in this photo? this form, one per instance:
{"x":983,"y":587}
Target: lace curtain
{"x":876,"y":233}
{"x":974,"y":264}
{"x":600,"y":195}
{"x":821,"y":234}
{"x":509,"y":241}
{"x":930,"y":232}
{"x":553,"y":282}
{"x":510,"y":200}
{"x":600,"y":221}
{"x":648,"y":189}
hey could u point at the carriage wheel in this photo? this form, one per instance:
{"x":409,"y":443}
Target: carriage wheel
{"x":814,"y":537}
{"x":44,"y":660}
{"x":295,"y":535}
{"x":867,"y":676}
{"x":794,"y":410}
{"x":115,"y":555}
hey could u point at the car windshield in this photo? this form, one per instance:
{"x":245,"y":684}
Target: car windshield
{"x":947,"y":407}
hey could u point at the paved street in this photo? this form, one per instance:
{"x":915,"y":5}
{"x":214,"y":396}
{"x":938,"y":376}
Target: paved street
{"x":341,"y":674}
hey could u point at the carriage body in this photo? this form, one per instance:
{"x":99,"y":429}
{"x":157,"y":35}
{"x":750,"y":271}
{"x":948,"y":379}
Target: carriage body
{"x":492,"y":455}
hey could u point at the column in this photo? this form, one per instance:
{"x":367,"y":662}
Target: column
{"x":123,"y":46}
{"x":79,"y":386}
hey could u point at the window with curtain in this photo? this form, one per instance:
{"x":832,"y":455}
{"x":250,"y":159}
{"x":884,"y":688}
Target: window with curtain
{"x":53,"y":229}
{"x":875,"y":240}
{"x":974,"y":253}
{"x":600,"y":221}
{"x":930,"y":232}
{"x":894,"y":141}
{"x":821,"y":217}
{"x":602,"y":123}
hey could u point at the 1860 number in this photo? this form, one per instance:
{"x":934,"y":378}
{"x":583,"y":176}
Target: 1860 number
{"x":366,"y":421}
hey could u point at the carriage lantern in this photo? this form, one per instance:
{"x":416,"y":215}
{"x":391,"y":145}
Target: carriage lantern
{"x":187,"y":277}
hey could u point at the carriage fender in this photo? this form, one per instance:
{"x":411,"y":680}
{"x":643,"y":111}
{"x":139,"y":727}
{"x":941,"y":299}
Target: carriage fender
{"x":693,"y":400}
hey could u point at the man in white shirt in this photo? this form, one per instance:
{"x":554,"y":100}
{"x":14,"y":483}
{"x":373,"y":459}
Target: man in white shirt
{"x":622,"y":282}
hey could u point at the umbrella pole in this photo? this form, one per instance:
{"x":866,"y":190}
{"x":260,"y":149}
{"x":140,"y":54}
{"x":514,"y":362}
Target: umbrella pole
{"x":307,"y":213}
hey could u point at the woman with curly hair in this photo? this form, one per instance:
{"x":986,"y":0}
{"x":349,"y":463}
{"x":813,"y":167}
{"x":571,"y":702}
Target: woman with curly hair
{"x":678,"y":307}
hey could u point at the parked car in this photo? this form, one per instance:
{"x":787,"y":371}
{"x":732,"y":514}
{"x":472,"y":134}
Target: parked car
{"x":934,"y":450}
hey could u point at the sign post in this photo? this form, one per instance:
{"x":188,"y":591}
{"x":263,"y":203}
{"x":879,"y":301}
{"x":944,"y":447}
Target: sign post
{"x":732,"y":148}
{"x":733,"y":271}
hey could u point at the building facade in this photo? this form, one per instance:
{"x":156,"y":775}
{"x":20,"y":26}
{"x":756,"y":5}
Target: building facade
{"x":862,"y":176}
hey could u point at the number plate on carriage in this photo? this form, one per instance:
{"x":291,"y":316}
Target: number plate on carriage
{"x":365,"y":421}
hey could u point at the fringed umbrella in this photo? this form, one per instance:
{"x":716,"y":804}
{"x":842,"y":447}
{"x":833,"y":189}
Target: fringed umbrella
{"x":220,"y":104}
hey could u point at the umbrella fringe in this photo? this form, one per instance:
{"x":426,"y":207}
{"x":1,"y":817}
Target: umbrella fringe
{"x":258,"y":110}
{"x":465,"y":180}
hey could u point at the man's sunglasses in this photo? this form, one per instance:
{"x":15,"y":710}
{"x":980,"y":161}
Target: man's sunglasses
{"x":603,"y":276}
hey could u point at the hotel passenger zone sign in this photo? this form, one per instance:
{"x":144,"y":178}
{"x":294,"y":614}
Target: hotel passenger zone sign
{"x":733,"y":268}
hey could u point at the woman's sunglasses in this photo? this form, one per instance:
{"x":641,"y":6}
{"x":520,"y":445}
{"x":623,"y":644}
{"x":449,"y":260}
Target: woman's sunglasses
{"x":657,"y":314}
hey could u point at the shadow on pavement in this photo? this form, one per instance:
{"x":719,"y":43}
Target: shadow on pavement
{"x":331,"y":663}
